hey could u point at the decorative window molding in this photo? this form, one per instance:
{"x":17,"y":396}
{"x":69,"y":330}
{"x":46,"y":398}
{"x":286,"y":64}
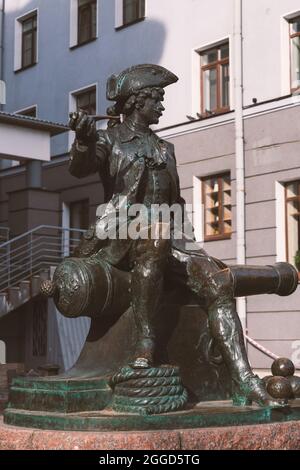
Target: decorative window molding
{"x":198,"y":209}
{"x":285,"y":56}
{"x":292,"y":217}
{"x":26,"y":40}
{"x":128,"y":12}
{"x":83,"y":22}
{"x":280,"y":223}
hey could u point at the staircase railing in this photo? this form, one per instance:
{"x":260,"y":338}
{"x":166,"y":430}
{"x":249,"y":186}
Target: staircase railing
{"x":34,"y":251}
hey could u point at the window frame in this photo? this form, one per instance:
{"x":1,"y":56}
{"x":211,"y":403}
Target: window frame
{"x":22,"y":112}
{"x":217,"y":64}
{"x":286,"y":201}
{"x":19,"y":42}
{"x":120,"y":13}
{"x":85,"y":92}
{"x":33,"y":33}
{"x":222,"y":235}
{"x":73,"y":104}
{"x":80,"y":9}
{"x":291,"y":36}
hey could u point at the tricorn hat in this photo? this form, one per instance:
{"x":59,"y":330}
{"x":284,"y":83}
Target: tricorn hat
{"x":136,"y":78}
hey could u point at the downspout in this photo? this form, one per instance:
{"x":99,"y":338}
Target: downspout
{"x":239,"y":149}
{"x":2,"y":8}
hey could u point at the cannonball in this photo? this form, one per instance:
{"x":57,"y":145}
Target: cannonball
{"x":295,"y":384}
{"x":266,"y":379}
{"x":279,"y":387}
{"x":283,"y":367}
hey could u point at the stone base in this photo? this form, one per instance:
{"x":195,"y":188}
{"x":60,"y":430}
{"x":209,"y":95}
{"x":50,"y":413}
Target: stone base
{"x":276,"y":436}
{"x":202,"y":415}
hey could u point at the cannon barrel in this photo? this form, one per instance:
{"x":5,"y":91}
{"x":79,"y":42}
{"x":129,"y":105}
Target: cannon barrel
{"x":280,"y":279}
{"x":92,"y":287}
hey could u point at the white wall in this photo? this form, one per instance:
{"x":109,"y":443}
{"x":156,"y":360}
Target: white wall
{"x":22,"y":143}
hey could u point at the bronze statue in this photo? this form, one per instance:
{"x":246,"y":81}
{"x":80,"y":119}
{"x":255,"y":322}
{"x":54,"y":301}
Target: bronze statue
{"x":134,"y":163}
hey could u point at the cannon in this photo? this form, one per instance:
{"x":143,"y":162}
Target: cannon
{"x":92,"y":287}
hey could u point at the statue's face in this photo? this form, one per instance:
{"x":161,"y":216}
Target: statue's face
{"x":153,"y":108}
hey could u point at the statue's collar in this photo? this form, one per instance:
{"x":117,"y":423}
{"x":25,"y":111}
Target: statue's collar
{"x":129,"y":130}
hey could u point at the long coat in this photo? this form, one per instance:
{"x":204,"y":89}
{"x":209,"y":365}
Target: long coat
{"x":119,"y":156}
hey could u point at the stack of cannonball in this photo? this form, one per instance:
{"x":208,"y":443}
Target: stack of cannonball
{"x":283,"y":384}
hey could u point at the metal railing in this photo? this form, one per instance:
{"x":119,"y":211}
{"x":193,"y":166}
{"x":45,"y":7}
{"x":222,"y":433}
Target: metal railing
{"x":34,"y":251}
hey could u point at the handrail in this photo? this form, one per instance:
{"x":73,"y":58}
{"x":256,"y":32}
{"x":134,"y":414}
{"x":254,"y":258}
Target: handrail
{"x":35,"y":250}
{"x":40,"y":227}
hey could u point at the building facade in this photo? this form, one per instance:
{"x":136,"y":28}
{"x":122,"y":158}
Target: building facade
{"x":233,"y":117}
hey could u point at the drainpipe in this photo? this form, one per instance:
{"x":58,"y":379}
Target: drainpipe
{"x":239,"y":148}
{"x":2,"y":7}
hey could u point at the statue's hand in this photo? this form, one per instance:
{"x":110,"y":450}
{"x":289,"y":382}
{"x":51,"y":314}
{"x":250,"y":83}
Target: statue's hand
{"x":84,"y":126}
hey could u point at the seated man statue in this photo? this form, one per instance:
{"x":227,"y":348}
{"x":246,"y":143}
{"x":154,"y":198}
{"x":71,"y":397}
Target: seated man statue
{"x":137,"y":166}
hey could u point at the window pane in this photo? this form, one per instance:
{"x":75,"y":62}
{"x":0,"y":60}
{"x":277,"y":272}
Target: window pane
{"x":27,"y":58}
{"x":295,"y":66}
{"x":27,"y":25}
{"x":293,"y":219}
{"x":210,"y":89}
{"x":217,"y":205}
{"x":225,"y":86}
{"x":226,"y":204}
{"x":87,"y":20}
{"x":27,"y":41}
{"x":87,"y":102}
{"x":225,"y":51}
{"x":84,"y":2}
{"x":133,"y":10}
{"x":209,"y":57}
{"x":295,"y":26}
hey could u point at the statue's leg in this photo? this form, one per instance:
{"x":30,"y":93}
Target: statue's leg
{"x":146,"y":293}
{"x":214,"y":285}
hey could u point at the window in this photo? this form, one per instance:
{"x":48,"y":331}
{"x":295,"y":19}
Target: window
{"x":29,"y":41}
{"x":26,"y":41}
{"x":79,"y":214}
{"x":79,"y":218}
{"x":87,"y":20}
{"x":295,"y":53}
{"x":292,"y":212}
{"x":217,"y":206}
{"x":129,"y":12}
{"x":30,"y":112}
{"x":215,"y":80}
{"x":133,"y":10}
{"x":86,"y":101}
{"x":39,"y":328}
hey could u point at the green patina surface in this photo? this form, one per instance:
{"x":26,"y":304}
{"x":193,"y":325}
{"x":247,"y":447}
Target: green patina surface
{"x":65,"y":396}
{"x":202,"y":415}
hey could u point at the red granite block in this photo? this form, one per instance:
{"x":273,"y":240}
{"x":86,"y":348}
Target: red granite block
{"x":255,"y":437}
{"x":265,"y":437}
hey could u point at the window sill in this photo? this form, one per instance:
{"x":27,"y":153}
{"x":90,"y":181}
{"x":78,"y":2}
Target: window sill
{"x":82,"y":43}
{"x":217,"y":237}
{"x":215,"y":113}
{"x":123,"y":26}
{"x":25,"y":68}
